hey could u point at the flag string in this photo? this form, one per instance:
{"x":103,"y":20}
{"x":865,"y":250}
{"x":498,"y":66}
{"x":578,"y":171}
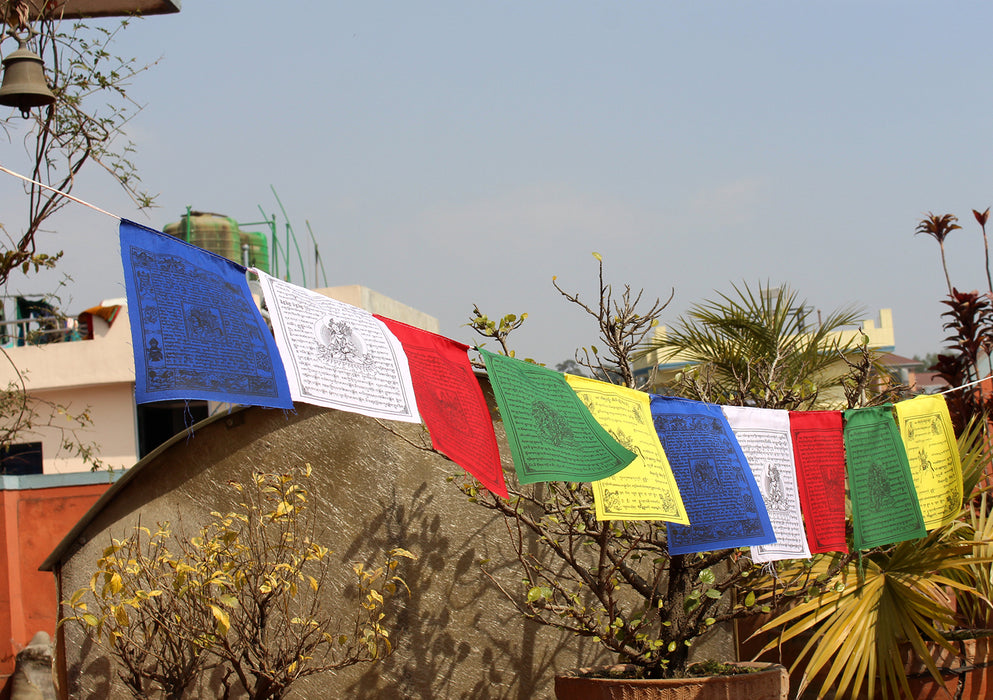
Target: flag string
{"x":119,"y":218}
{"x":60,"y":192}
{"x":964,"y":386}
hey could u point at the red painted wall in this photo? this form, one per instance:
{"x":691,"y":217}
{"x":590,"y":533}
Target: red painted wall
{"x":32,"y":523}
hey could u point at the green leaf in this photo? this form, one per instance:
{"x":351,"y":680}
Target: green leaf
{"x":539,"y":593}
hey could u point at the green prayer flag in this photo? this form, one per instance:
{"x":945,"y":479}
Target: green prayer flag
{"x":552,"y":435}
{"x":884,"y":501}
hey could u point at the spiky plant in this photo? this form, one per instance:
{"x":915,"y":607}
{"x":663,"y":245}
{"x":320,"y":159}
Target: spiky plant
{"x":757,"y":348}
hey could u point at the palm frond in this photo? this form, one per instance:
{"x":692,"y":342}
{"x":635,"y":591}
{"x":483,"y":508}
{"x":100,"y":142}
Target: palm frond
{"x":911,"y":593}
{"x":759,"y":347}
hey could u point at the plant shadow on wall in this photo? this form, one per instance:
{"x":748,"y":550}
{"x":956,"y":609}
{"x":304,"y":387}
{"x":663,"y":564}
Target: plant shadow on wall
{"x":506,"y":668}
{"x":245,"y":601}
{"x":614,"y":582}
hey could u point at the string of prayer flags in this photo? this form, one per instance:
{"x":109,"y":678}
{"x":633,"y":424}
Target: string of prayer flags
{"x":764,"y":437}
{"x":645,"y":489}
{"x":337,"y":355}
{"x":884,"y":502}
{"x":819,"y":452}
{"x":451,"y":403}
{"x":932,"y":451}
{"x":552,"y":435}
{"x":195,"y":329}
{"x":721,"y":497}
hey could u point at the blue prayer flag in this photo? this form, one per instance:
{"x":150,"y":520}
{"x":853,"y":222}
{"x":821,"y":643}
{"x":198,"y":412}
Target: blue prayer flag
{"x":722,"y":500}
{"x":196,"y":331}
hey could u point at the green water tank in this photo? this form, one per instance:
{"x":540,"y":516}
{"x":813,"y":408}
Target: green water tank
{"x":214,"y":232}
{"x":258,"y":249}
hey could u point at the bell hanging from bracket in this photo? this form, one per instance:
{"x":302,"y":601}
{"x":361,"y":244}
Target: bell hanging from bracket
{"x":24,"y":84}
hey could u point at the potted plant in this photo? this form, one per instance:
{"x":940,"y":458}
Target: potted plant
{"x":915,"y":618}
{"x":897,"y":612}
{"x":614,"y":580}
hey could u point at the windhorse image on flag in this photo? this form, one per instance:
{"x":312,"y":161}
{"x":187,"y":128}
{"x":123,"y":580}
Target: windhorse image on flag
{"x":196,"y":331}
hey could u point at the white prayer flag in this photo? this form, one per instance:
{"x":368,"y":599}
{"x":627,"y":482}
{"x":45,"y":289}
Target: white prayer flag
{"x":764,"y":436}
{"x":338,"y":355}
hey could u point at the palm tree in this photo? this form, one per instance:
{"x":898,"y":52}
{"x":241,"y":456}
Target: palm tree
{"x":938,"y":227}
{"x":758,"y":349}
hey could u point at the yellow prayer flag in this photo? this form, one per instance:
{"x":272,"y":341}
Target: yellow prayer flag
{"x":645,"y":489}
{"x":928,"y":436}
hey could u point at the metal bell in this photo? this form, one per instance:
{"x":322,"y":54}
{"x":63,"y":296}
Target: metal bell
{"x":24,"y":84}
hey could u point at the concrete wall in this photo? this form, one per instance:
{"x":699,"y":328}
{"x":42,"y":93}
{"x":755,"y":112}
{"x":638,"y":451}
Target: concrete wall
{"x":113,"y":431}
{"x":458,"y":635}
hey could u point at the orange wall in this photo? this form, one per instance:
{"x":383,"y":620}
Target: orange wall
{"x":33,"y":520}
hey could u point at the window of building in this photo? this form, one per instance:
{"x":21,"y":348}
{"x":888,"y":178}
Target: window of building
{"x":159,"y":421}
{"x":21,"y":458}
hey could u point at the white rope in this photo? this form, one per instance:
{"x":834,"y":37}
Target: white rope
{"x":964,"y":386}
{"x":60,"y":192}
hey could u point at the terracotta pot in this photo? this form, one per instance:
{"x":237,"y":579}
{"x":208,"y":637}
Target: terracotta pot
{"x":967,"y":674}
{"x":772,"y":683}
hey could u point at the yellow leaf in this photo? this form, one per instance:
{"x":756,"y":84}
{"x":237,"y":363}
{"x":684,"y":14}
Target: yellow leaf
{"x":222,"y":620}
{"x":121,"y":615}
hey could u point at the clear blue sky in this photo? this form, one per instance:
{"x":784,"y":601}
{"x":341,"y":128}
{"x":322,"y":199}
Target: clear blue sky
{"x":452,"y":153}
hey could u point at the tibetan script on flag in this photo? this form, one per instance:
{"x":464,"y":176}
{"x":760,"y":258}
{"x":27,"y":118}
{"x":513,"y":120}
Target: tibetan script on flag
{"x":764,"y":437}
{"x":338,"y":355}
{"x":451,"y":403}
{"x":819,"y":451}
{"x":552,"y":435}
{"x":196,"y":331}
{"x":646,"y":488}
{"x":718,"y":489}
{"x":884,"y":501}
{"x":933,"y":454}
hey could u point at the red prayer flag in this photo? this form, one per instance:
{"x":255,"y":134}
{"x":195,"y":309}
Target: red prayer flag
{"x":451,"y":402}
{"x":819,"y":451}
